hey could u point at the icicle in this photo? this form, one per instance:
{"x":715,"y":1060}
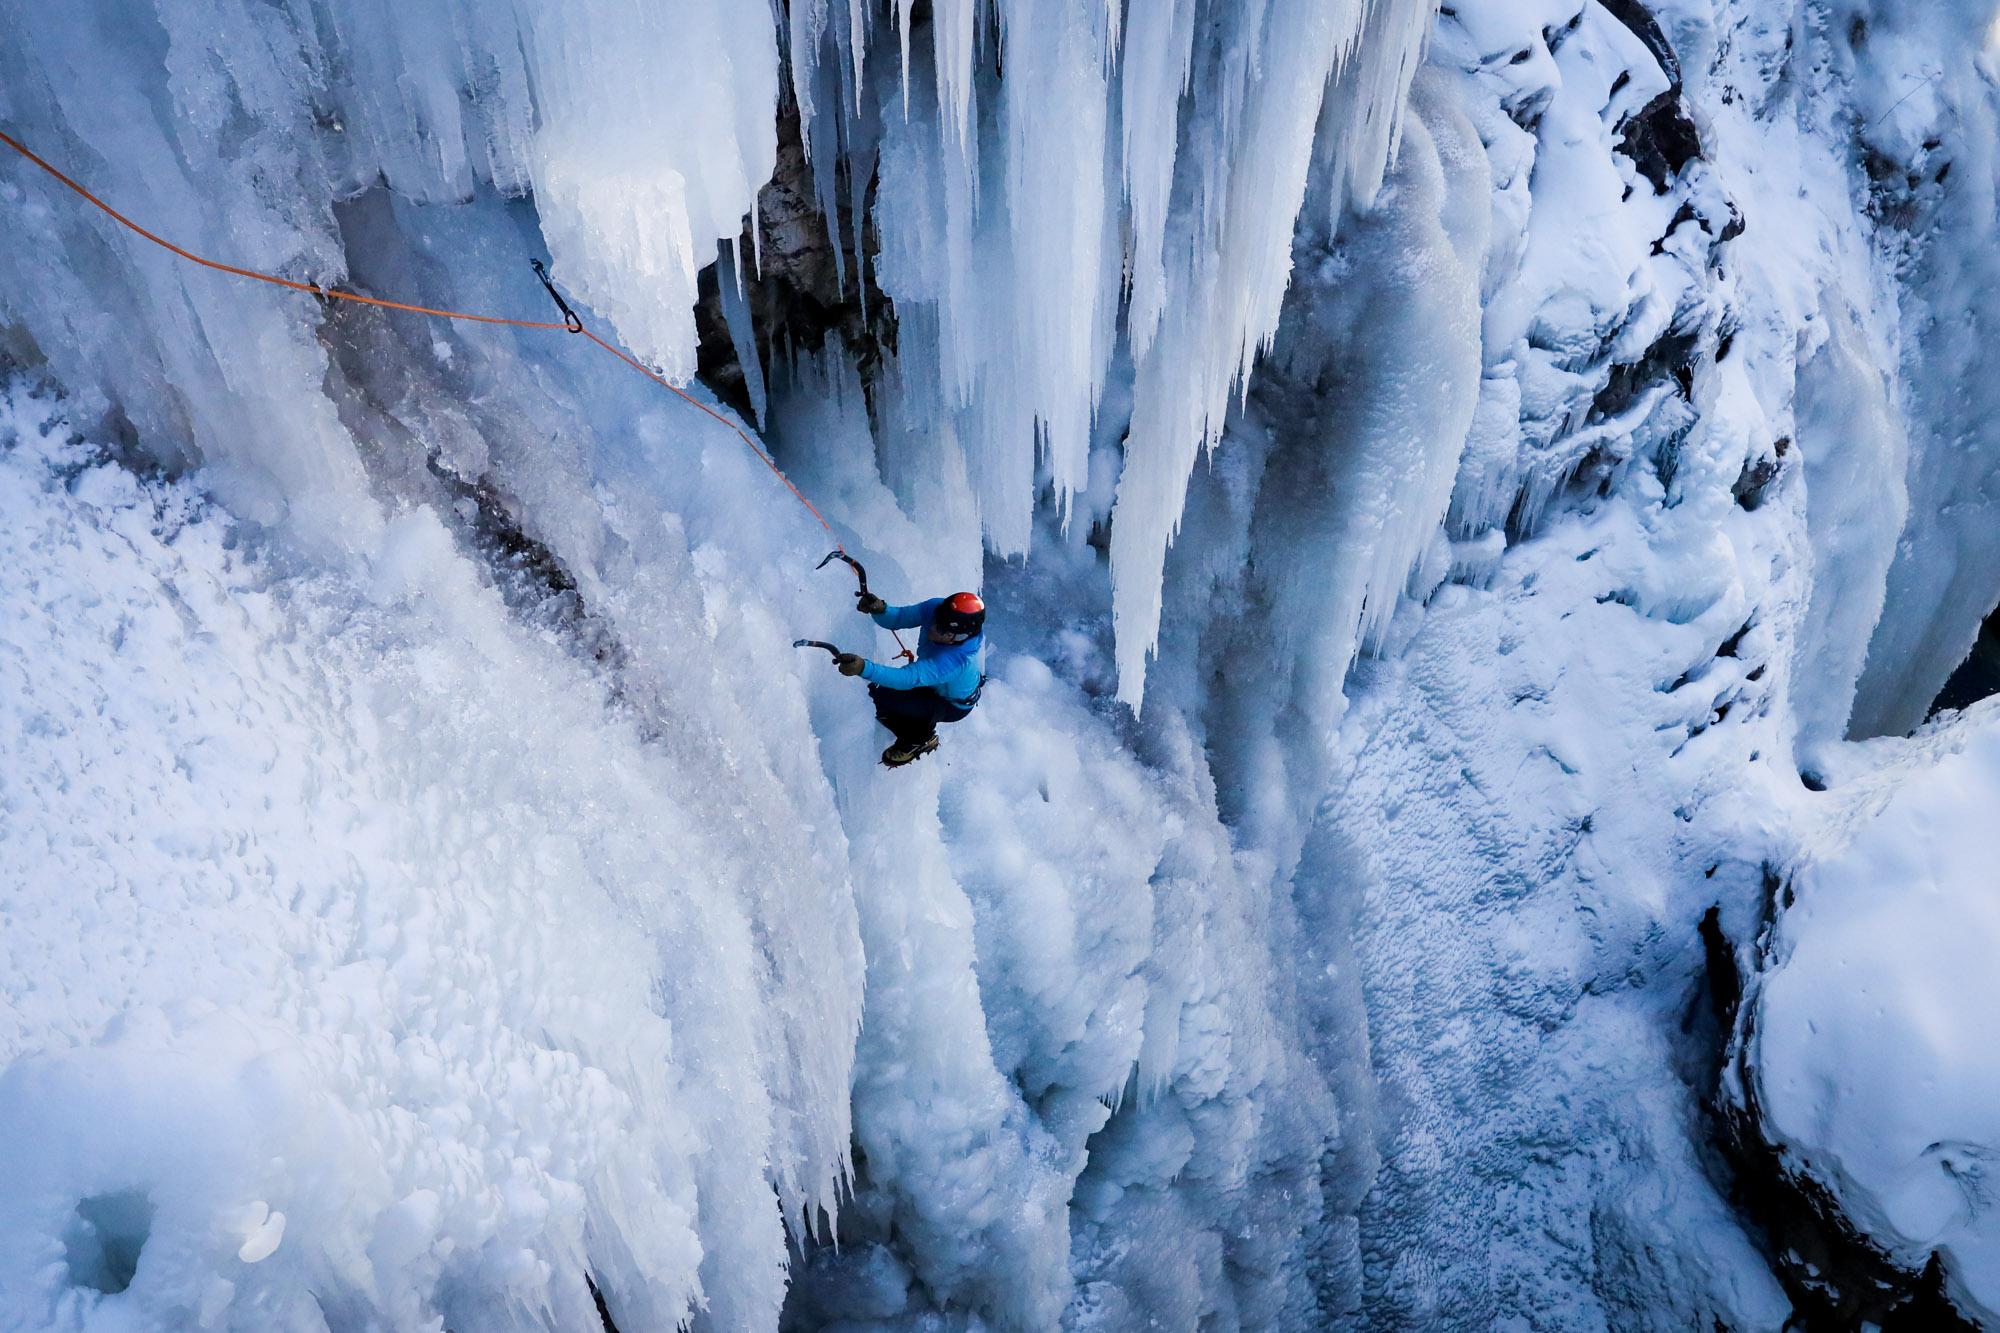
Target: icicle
{"x":1158,"y":55}
{"x":818,"y":89}
{"x":903,"y":8}
{"x":953,"y":24}
{"x":1018,"y":229}
{"x":1055,"y":97}
{"x":860,"y":172}
{"x":857,"y":52}
{"x":1364,"y":109}
{"x":1256,"y":149}
{"x":742,"y":333}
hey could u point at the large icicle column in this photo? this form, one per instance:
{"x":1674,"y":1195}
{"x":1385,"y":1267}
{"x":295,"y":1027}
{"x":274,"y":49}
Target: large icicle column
{"x":1119,"y":206}
{"x":1924,"y":101}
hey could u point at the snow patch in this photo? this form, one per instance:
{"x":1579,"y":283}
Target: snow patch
{"x":1872,"y":1046}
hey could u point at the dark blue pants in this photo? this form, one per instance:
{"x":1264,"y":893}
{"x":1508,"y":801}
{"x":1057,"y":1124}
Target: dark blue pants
{"x":913,"y":715}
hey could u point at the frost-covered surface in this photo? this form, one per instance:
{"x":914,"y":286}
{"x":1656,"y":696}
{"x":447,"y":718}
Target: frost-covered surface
{"x":1872,"y":1043}
{"x":357,"y":935}
{"x":1634,"y":438}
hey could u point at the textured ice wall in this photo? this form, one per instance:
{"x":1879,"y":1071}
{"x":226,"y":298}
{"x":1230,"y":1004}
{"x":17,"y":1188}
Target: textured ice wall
{"x":1660,"y":565}
{"x":1173,"y":148}
{"x":1440,"y":395}
{"x":1926,"y":96}
{"x":1673,"y":529}
{"x":236,"y":130}
{"x":397,"y":154}
{"x":369,"y":963}
{"x":1083,"y":1088}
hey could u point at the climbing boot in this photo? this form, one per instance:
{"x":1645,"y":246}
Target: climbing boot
{"x":908,"y":752}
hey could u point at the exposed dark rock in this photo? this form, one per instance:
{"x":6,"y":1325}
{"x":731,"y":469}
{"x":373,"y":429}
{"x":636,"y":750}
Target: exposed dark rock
{"x":1903,"y":194}
{"x":1661,"y":140}
{"x":1634,"y":15}
{"x":1758,"y":473}
{"x":799,"y":295}
{"x":1731,"y":228}
{"x":1978,"y":676}
{"x":1836,"y":1277}
{"x":1671,"y":355}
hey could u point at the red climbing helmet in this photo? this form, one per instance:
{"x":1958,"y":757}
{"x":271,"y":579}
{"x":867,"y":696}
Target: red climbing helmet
{"x":959,"y":617}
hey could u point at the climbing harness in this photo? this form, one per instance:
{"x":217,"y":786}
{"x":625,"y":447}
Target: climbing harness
{"x":571,"y":323}
{"x":861,"y":576}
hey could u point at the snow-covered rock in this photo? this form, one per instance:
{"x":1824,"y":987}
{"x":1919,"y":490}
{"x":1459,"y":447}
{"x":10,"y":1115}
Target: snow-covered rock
{"x":1868,"y":1054}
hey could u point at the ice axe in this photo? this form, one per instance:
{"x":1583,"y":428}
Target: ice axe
{"x":861,"y":577}
{"x":860,"y":573}
{"x":833,"y":652}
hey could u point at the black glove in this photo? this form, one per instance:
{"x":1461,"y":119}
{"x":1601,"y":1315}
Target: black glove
{"x":868,"y":604}
{"x":850,"y":664}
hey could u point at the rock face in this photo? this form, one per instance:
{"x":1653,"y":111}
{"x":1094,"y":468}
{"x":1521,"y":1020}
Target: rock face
{"x":804,"y":283}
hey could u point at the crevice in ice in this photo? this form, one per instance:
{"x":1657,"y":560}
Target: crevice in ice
{"x":105,"y":1239}
{"x":1978,"y":676}
{"x":603,"y":1309}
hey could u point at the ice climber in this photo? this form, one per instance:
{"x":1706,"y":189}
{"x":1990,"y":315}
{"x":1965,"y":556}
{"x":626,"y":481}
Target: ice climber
{"x":941,"y":685}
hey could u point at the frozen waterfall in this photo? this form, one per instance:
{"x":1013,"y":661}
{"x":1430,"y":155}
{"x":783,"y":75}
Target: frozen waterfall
{"x":1478,"y":503}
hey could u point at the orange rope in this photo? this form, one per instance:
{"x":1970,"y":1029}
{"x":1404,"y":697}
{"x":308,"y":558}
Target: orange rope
{"x":310,"y":287}
{"x":692,"y":401}
{"x":330,"y":293}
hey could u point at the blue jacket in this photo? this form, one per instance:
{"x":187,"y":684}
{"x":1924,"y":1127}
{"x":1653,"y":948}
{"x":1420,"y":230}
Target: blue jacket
{"x":952,"y":669}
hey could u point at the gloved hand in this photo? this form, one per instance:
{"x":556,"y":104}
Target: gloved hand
{"x":850,"y":664}
{"x":868,"y":604}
